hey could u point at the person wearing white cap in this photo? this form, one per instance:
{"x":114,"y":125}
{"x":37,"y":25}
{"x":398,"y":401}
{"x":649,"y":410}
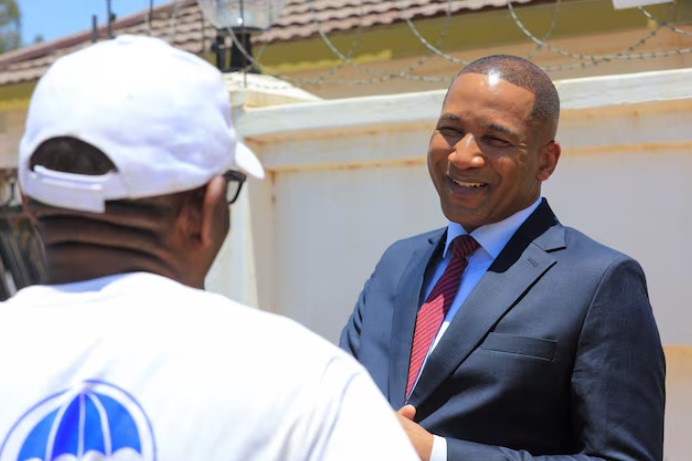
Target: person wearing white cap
{"x":128,"y":164}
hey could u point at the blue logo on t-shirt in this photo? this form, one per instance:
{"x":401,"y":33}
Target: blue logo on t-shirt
{"x":96,"y":420}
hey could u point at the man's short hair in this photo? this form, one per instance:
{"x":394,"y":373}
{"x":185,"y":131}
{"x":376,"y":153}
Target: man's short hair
{"x":522,"y":72}
{"x":71,"y":155}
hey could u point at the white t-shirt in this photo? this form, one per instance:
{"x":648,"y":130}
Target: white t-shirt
{"x":139,"y":367}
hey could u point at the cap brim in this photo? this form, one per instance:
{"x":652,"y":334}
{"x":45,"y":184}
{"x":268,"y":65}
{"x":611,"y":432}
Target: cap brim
{"x":246,"y":160}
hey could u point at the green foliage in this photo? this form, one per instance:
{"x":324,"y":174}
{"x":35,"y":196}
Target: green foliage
{"x":10,"y":25}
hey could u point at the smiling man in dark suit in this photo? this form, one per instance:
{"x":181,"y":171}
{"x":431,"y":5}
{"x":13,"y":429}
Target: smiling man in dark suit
{"x":506,"y":335}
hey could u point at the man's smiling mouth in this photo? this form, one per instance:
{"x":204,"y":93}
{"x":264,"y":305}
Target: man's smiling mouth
{"x":468,"y":184}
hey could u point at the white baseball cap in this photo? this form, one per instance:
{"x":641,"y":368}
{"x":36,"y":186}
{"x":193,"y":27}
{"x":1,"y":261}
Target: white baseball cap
{"x":162,"y":116}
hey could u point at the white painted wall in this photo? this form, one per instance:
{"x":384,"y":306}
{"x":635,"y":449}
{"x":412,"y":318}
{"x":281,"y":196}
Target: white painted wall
{"x":348,"y":177}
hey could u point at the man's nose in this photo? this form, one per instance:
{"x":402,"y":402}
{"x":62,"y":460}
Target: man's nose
{"x":467,"y":153}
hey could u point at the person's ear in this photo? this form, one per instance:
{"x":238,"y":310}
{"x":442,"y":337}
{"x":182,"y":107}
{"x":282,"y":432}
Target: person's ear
{"x":214,"y":207}
{"x":549,"y":156}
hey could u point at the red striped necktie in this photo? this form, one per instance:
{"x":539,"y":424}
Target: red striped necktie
{"x":435,"y":308}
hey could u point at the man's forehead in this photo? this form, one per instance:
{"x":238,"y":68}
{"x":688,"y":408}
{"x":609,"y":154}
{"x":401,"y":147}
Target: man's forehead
{"x":510,"y":71}
{"x":483,"y":92}
{"x":493,"y":80}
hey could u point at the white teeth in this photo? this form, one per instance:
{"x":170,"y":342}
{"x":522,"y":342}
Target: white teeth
{"x":468,"y":184}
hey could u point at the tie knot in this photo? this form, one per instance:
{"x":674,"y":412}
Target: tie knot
{"x":464,"y":245}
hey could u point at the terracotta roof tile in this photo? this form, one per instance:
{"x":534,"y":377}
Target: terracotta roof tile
{"x":181,"y":23}
{"x":303,"y":18}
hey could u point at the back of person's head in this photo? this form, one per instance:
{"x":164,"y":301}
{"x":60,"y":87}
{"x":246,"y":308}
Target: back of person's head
{"x":121,"y":139}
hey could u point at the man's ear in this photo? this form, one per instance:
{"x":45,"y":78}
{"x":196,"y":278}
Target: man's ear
{"x":213,"y":206}
{"x":549,"y":156}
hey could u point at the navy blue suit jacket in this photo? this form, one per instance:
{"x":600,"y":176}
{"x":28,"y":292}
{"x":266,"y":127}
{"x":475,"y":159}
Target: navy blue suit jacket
{"x":555,"y":354}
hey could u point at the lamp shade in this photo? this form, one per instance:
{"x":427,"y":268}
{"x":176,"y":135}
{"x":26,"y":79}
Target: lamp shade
{"x":251,"y":14}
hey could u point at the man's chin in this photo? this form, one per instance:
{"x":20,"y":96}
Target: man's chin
{"x":468,"y":220}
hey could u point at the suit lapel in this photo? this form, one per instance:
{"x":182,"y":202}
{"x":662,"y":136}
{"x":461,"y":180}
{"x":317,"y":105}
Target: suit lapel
{"x":523,"y":260}
{"x":406,"y":304}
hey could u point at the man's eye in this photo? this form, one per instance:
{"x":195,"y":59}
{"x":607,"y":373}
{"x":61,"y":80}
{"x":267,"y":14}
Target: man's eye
{"x":496,"y":142}
{"x":448,"y":130}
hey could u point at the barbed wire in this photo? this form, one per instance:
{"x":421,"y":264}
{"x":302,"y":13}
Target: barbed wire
{"x":585,"y":60}
{"x":551,"y":30}
{"x":381,"y":76}
{"x":663,"y":23}
{"x":384,"y":76}
{"x":354,"y":46}
{"x":433,"y":49}
{"x":404,"y":72}
{"x":624,"y":54}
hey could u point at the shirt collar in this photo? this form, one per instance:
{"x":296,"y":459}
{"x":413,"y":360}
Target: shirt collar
{"x":492,"y":237}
